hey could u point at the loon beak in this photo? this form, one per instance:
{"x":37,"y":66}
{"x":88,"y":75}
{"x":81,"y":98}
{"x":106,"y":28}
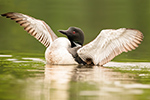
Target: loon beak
{"x":63,"y":32}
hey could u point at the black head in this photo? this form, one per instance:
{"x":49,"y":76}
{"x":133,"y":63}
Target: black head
{"x":74,"y":34}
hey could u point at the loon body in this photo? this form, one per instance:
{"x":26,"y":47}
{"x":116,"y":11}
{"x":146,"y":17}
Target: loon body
{"x":60,"y":50}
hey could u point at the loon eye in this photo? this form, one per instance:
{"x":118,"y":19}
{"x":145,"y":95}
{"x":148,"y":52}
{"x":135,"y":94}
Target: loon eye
{"x":73,"y":32}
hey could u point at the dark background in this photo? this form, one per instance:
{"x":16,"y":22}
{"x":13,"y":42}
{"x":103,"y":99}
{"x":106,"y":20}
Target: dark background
{"x":90,"y":15}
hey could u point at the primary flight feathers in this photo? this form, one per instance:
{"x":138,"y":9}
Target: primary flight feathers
{"x":37,"y":28}
{"x":108,"y":44}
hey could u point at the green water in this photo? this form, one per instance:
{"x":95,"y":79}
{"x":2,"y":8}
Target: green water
{"x":24,"y":75}
{"x":24,"y":78}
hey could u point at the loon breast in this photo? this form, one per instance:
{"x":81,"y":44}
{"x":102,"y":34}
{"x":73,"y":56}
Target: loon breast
{"x":57,"y":52}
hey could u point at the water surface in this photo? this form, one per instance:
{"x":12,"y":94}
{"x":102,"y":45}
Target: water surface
{"x":28,"y":78}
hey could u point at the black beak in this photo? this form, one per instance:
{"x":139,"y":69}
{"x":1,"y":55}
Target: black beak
{"x":63,"y":32}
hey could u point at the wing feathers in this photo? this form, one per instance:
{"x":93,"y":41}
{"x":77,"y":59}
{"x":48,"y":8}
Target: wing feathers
{"x":37,"y":28}
{"x":110,"y":43}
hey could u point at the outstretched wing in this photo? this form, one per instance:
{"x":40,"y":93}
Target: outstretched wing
{"x":37,"y":28}
{"x":110,"y":43}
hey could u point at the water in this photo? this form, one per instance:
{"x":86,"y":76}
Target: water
{"x":24,"y":75}
{"x":26,"y":78}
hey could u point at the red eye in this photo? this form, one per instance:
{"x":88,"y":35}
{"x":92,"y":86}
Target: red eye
{"x":74,"y":32}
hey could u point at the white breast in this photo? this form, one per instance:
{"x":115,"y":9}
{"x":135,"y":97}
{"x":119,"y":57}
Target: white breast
{"x":57,"y":52}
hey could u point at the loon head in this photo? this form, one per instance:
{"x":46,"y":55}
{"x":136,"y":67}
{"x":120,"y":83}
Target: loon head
{"x":75,"y":35}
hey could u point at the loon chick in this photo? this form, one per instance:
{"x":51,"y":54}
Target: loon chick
{"x":60,"y":50}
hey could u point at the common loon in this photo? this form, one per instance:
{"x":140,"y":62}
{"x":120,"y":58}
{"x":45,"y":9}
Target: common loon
{"x":60,"y":50}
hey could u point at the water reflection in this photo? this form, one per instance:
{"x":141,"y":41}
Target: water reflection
{"x":76,"y":82}
{"x":68,"y":82}
{"x":57,"y":80}
{"x":58,"y":73}
{"x":98,"y":74}
{"x":63,"y":74}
